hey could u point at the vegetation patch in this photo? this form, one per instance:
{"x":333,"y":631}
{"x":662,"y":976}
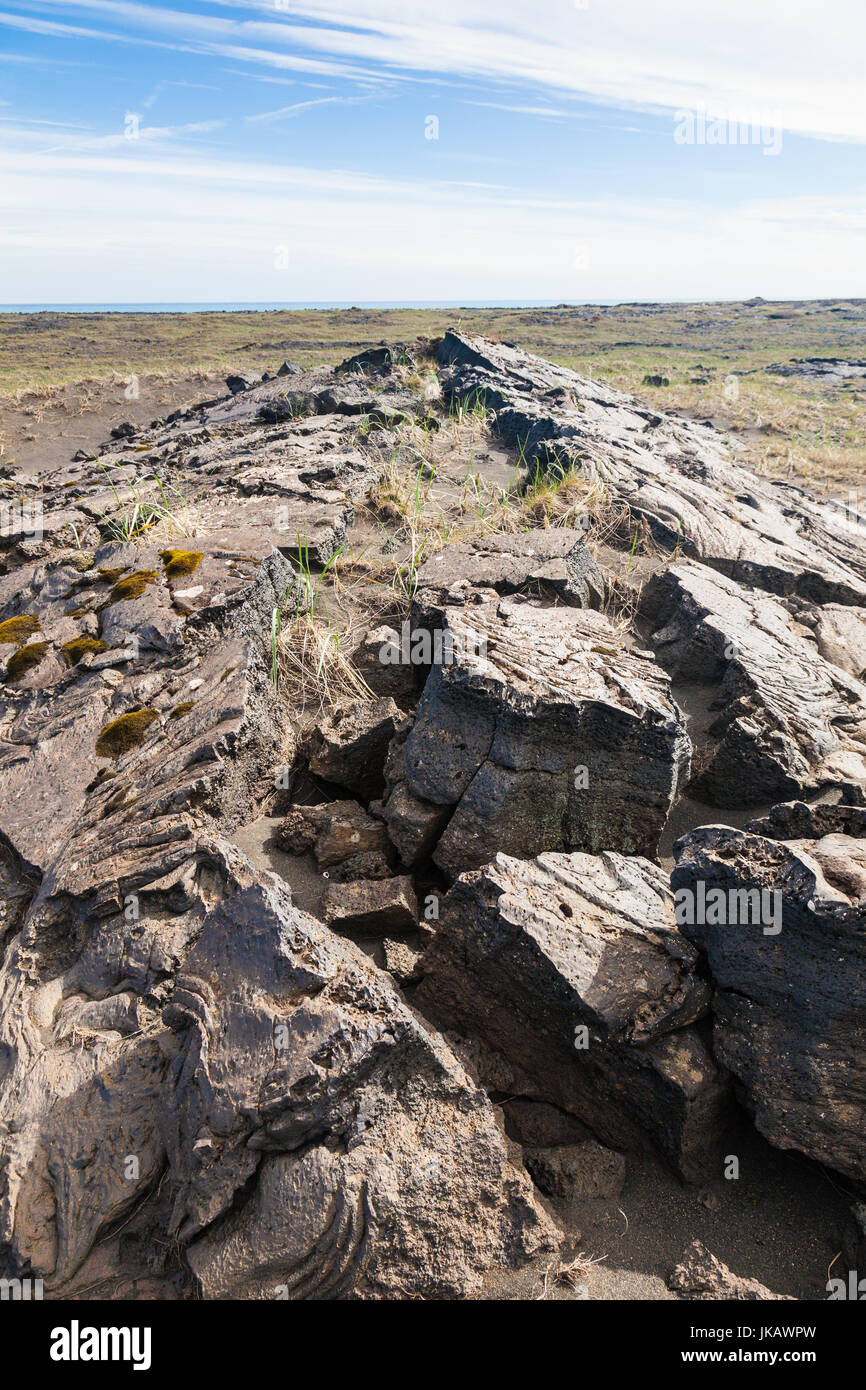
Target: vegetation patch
{"x":79,"y":646}
{"x":124,"y":733}
{"x":133,"y":586}
{"x":180,"y":710}
{"x":20,"y":630}
{"x":25,"y":659}
{"x":179,"y":562}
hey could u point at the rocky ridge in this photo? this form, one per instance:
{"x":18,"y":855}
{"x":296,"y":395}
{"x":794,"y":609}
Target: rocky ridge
{"x":206,"y":1091}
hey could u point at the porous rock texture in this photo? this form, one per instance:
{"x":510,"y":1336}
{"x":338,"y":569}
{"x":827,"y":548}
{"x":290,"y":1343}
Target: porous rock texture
{"x":544,"y":732}
{"x":572,"y":967}
{"x":702,"y":1275}
{"x":790,"y":1005}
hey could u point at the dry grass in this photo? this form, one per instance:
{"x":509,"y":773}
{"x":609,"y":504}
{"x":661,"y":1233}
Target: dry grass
{"x":569,"y":1275}
{"x":313,"y":668}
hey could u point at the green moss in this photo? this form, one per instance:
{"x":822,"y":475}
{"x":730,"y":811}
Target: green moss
{"x":79,"y":646}
{"x":18,"y":630}
{"x":178,"y":562}
{"x":133,"y":586}
{"x":124,"y":733}
{"x":25,"y":659}
{"x":180,"y":710}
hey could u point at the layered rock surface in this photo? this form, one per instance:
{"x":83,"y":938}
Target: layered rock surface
{"x":790,"y":1001}
{"x":205,"y":1091}
{"x":676,"y":474}
{"x":789,"y":720}
{"x":543,"y":732}
{"x":572,"y":967}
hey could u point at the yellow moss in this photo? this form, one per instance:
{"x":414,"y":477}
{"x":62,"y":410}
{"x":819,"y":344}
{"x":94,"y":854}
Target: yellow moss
{"x":124,"y":733}
{"x":112,"y":576}
{"x":133,"y":586}
{"x":18,"y":630}
{"x":178,"y":562}
{"x":25,"y":659}
{"x":79,"y":646}
{"x":180,"y":710}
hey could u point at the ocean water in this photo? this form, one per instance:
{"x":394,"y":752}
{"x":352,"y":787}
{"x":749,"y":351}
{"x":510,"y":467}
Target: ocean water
{"x":267,"y":305}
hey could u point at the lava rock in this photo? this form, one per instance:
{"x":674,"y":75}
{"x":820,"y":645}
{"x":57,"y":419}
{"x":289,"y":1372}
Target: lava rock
{"x":570,"y":1172}
{"x":572,"y":967}
{"x":377,"y":906}
{"x":700,"y":1275}
{"x":790,"y":1001}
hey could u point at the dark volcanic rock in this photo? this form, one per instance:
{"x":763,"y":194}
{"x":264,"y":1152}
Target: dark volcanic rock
{"x":379,"y":906}
{"x":789,"y":721}
{"x":554,"y":564}
{"x":572,"y":968}
{"x":677,"y":475}
{"x":557,"y":738}
{"x":205,"y":1092}
{"x":790,"y":1003}
{"x":349,"y":747}
{"x":189,"y":1063}
{"x":336,"y":831}
{"x":701,"y":1275}
{"x":570,"y":1172}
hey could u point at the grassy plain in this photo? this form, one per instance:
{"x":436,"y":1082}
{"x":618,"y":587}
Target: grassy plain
{"x":713,"y":356}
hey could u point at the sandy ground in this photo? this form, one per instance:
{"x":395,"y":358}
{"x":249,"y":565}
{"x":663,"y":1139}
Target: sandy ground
{"x":44,"y":433}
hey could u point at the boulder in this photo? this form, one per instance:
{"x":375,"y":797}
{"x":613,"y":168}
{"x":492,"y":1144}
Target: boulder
{"x":700,"y":1275}
{"x":784,"y":940}
{"x":788,"y":720}
{"x":572,"y":967}
{"x":401,"y":961}
{"x":349,"y":746}
{"x":571,"y":1172}
{"x":336,"y":832}
{"x":378,"y":906}
{"x":543,"y":732}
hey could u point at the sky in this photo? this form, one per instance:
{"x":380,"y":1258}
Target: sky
{"x":448,"y":150}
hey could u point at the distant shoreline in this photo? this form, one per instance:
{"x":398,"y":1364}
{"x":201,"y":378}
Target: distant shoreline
{"x":301,"y":306}
{"x":266,"y":306}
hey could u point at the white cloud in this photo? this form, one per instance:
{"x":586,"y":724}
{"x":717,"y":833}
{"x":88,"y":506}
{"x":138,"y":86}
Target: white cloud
{"x":732,"y":55}
{"x":103,"y":225}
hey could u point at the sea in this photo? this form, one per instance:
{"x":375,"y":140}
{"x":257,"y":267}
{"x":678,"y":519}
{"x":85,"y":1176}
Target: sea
{"x":207,"y":308}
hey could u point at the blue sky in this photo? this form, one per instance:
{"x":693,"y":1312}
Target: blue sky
{"x":228,"y":150}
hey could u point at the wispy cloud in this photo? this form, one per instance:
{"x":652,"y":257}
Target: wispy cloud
{"x":297,"y":109}
{"x":729,"y":54}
